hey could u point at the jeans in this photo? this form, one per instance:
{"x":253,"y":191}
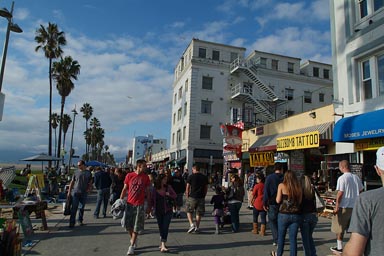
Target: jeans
{"x":263,"y":216}
{"x":163,"y":221}
{"x":291,"y":222}
{"x":234,"y":209}
{"x":102,"y":197}
{"x":78,"y":202}
{"x":273,"y":211}
{"x":307,"y":227}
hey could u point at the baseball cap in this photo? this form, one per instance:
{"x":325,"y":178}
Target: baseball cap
{"x":380,"y":158}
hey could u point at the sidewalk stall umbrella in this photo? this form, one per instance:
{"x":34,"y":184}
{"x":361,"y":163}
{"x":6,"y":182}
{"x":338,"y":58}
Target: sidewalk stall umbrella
{"x":41,"y":158}
{"x":95,"y":163}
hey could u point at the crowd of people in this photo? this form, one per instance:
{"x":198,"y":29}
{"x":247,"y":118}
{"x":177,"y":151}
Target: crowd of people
{"x":287,"y":201}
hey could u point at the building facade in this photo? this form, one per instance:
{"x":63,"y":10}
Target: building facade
{"x":215,"y":84}
{"x":143,"y":147}
{"x":358,"y":59}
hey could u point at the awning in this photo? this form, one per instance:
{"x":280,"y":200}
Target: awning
{"x":268,"y":143}
{"x":181,"y":160}
{"x":358,"y":127}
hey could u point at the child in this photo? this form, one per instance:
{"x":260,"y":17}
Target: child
{"x":218,"y":205}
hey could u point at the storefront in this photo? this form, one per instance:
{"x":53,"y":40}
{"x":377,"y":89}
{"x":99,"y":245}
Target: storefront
{"x":366,"y":132}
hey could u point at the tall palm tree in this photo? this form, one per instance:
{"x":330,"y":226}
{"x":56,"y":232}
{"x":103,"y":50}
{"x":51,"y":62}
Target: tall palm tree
{"x":63,"y":72}
{"x":55,"y":122}
{"x":66,"y":121}
{"x":88,"y":138}
{"x":95,"y":123}
{"x":50,"y":40}
{"x":87,"y":111}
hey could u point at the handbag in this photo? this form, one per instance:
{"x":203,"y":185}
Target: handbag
{"x":68,"y":206}
{"x":320,"y":205}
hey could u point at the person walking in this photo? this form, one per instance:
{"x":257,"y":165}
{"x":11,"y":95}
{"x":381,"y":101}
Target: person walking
{"x":178,"y":186}
{"x":348,"y":189}
{"x":257,"y":202}
{"x":289,"y":196}
{"x":136,"y":187}
{"x":163,"y":197}
{"x":102,"y":181}
{"x":196,"y":191}
{"x":309,"y":216}
{"x":218,"y":201}
{"x":117,"y":184}
{"x":367,"y":230}
{"x":251,"y":182}
{"x":269,"y":198}
{"x":235,"y":197}
{"x":80,"y":185}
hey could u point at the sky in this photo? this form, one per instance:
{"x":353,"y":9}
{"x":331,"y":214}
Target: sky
{"x":127,"y":50}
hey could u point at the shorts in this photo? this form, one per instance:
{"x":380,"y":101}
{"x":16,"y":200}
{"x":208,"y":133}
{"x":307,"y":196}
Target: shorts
{"x":340,"y":221}
{"x":195,"y":204}
{"x":134,"y":218}
{"x":179,"y":200}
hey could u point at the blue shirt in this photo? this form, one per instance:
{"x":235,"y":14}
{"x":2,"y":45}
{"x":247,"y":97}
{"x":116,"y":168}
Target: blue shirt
{"x":102,"y":180}
{"x":270,"y":188}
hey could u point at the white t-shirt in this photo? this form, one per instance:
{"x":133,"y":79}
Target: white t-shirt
{"x":351,"y":186}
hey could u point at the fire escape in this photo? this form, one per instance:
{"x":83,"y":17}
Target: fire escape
{"x":241,"y":92}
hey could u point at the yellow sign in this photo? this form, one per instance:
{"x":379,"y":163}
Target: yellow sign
{"x":298,"y":141}
{"x":261,"y":159}
{"x":369,"y":144}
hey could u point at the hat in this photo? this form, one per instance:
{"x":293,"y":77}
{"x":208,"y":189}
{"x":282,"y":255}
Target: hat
{"x":380,"y":158}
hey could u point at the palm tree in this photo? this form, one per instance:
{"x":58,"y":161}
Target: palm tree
{"x":88,"y":138}
{"x":87,"y":111}
{"x":66,"y":121}
{"x":95,"y":123}
{"x":50,"y":40}
{"x":63,"y":72}
{"x":55,"y":122}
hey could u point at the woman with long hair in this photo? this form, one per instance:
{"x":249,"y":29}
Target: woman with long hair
{"x":163,"y":197}
{"x":235,"y":197}
{"x":289,"y":196}
{"x":309,"y":215}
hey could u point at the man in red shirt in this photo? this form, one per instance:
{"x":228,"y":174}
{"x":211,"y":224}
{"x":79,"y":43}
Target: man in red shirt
{"x":137,"y":185}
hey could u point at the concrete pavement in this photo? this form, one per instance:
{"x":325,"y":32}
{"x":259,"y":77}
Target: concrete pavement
{"x":105,"y":236}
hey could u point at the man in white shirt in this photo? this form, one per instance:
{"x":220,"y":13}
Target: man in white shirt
{"x":348,"y":189}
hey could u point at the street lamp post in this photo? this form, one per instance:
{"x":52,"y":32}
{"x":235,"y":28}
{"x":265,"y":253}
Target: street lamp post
{"x":10,"y":27}
{"x":71,"y":152}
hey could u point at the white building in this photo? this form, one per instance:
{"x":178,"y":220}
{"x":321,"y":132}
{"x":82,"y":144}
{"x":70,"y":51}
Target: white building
{"x":145,"y":146}
{"x":214,"y":84}
{"x":358,"y":59}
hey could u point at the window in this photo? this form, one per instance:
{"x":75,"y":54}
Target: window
{"x":175,"y":99}
{"x":290,"y":67}
{"x":173,"y":138}
{"x":186,"y":85}
{"x":363,"y":6}
{"x":206,"y":106}
{"x":184,"y":132}
{"x":316,"y":72}
{"x":263,"y":62}
{"x":248,"y":88}
{"x":179,"y":114}
{"x":307,"y":97}
{"x":377,"y":4}
{"x":234,"y":56}
{"x":178,"y":136}
{"x":202,"y":53}
{"x":180,"y":92}
{"x":215,"y":55}
{"x":321,"y":97}
{"x":366,"y":82}
{"x":326,"y":73}
{"x":174,"y":118}
{"x":380,"y":66}
{"x":205,"y":132}
{"x":289,"y":94}
{"x":368,"y":7}
{"x":185,"y":108}
{"x":207,"y":82}
{"x":236,"y":115}
{"x":275,"y":64}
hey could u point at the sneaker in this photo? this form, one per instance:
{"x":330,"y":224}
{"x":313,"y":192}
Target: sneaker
{"x":197,"y":231}
{"x":334,"y":249}
{"x":274,"y":244}
{"x":131,"y":250}
{"x":191,"y":229}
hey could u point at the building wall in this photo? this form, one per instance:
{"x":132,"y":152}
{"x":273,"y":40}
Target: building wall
{"x":356,"y":39}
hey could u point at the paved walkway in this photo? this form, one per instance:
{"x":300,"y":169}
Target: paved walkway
{"x":105,"y":236}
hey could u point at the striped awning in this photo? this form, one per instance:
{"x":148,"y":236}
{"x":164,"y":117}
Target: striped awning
{"x":268,"y":142}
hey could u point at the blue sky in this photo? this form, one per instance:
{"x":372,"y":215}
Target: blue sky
{"x":127,"y":50}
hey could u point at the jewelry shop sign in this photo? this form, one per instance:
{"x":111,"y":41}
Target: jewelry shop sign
{"x":298,"y":141}
{"x":261,"y":159}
